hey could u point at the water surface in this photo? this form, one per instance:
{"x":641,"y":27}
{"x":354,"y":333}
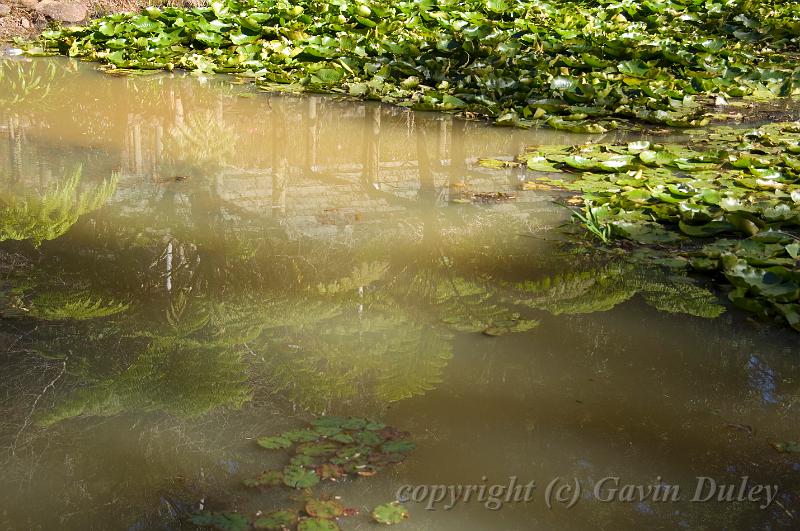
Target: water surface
{"x":188,"y":264}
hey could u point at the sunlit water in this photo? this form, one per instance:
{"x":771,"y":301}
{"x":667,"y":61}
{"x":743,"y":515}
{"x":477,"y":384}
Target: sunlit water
{"x":210,"y":264}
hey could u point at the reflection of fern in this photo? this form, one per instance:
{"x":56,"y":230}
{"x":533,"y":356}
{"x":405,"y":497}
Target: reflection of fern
{"x":603,"y":287}
{"x":597,"y":290}
{"x":362,"y":275}
{"x":179,"y":376}
{"x":203,"y":138}
{"x":683,"y":297}
{"x":51,"y":214}
{"x":467,"y":306}
{"x":77,"y":307}
{"x":362,"y":361}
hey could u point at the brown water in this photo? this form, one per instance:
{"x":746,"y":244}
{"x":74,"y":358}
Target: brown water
{"x":229,"y":264}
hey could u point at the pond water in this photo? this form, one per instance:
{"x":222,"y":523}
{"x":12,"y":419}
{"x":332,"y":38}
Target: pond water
{"x":188,"y":264}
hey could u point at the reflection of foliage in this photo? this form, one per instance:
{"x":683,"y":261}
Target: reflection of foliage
{"x":26,"y":82}
{"x":203,"y":138}
{"x":383,"y":357}
{"x":598,"y":289}
{"x":49,"y":215}
{"x":363,"y":275}
{"x":467,"y":306}
{"x":57,"y":306}
{"x":182,"y":376}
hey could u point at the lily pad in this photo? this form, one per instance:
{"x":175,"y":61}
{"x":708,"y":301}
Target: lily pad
{"x":274,"y":443}
{"x":390,"y":513}
{"x":277,"y":520}
{"x":299,"y":477}
{"x":324,"y":509}
{"x":269,"y":478}
{"x":225,"y":521}
{"x":317,"y":524}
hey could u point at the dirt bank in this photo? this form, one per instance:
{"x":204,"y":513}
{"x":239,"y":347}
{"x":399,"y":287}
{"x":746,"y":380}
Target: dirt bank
{"x":25,"y":18}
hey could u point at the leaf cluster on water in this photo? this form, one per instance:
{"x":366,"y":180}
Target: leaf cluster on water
{"x":728,"y":202}
{"x":331,"y":448}
{"x":576,"y":66}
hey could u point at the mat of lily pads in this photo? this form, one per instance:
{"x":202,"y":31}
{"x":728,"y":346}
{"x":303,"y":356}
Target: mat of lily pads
{"x":727,"y":203}
{"x":579,"y":66}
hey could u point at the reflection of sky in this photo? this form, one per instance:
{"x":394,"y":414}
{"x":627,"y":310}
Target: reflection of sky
{"x":761,"y":378}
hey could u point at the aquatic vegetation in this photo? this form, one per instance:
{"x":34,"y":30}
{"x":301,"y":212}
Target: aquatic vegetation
{"x":576,"y":66}
{"x":334,"y":448}
{"x":46,"y":216}
{"x":728,"y":202}
{"x":27,"y":84}
{"x":389,"y":513}
{"x":330,"y":449}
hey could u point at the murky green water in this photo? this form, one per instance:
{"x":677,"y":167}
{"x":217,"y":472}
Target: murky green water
{"x":215,"y":264}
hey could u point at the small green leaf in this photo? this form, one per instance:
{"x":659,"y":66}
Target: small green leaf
{"x":299,"y":477}
{"x":390,"y":513}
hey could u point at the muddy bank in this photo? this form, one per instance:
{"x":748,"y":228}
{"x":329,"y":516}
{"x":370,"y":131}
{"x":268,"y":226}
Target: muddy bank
{"x":26,"y":18}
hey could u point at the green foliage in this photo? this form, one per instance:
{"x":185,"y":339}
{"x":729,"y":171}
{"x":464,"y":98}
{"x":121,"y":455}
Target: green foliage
{"x":48,"y":215}
{"x":390,"y":513}
{"x":79,"y":307}
{"x":227,"y":521}
{"x":181,"y":376}
{"x":340,"y":447}
{"x":569,"y":65}
{"x":602,"y":286}
{"x":27,"y":84}
{"x":728,"y":202}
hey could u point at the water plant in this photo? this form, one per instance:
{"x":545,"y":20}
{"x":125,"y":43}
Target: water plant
{"x":727,"y":202}
{"x":331,"y":448}
{"x":576,"y":66}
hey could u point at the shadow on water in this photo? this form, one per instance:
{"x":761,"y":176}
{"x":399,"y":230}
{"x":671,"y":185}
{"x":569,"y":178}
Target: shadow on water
{"x":187,"y":264}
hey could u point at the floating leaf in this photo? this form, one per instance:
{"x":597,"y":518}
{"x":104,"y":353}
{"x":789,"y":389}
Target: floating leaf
{"x":226,"y":521}
{"x":277,"y":520}
{"x":269,"y":478}
{"x":274,"y":443}
{"x":324,"y":508}
{"x":317,"y":524}
{"x":390,"y":513}
{"x":299,"y":478}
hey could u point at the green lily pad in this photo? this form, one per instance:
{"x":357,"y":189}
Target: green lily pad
{"x":324,"y":509}
{"x":274,"y":443}
{"x":299,"y":477}
{"x":277,"y":520}
{"x":269,"y":478}
{"x":317,"y":524}
{"x":226,"y":521}
{"x":398,"y":446}
{"x":390,"y":513}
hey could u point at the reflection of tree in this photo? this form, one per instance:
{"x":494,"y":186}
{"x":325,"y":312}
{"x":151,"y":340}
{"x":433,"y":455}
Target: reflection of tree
{"x":48,"y":215}
{"x":602,"y":286}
